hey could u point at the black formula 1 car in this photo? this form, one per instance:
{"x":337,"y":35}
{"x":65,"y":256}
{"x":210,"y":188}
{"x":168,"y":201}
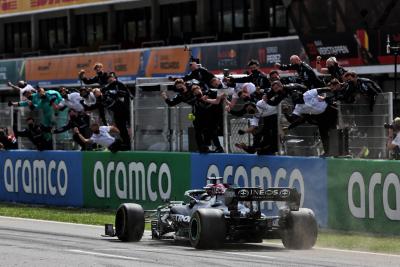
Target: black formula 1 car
{"x":220,"y":213}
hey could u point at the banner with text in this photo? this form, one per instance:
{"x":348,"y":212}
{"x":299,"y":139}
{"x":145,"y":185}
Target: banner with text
{"x":65,"y":69}
{"x":145,"y":178}
{"x":51,"y":178}
{"x":235,"y":56}
{"x":364,"y":195}
{"x":308,"y":175}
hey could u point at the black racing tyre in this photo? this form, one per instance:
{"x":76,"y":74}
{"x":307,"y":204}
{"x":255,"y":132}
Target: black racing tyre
{"x":129,"y":222}
{"x":207,"y":229}
{"x":301,"y":230}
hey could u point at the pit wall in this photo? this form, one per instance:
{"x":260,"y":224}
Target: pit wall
{"x":345,"y":194}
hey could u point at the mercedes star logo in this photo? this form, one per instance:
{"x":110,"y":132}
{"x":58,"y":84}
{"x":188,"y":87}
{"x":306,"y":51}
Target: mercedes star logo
{"x":284,"y":193}
{"x":243,"y":193}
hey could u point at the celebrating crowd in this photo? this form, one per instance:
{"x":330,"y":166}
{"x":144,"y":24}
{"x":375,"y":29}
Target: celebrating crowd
{"x":313,"y":100}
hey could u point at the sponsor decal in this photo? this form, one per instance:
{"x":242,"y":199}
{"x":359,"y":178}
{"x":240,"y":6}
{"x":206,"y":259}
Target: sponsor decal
{"x":243,"y":193}
{"x":132,"y":180}
{"x":363,"y":206}
{"x":36,"y":177}
{"x":180,"y":218}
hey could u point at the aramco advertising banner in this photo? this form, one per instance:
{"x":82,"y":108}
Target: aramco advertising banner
{"x":20,"y":6}
{"x":65,"y":69}
{"x":307,"y":175}
{"x":51,"y":178}
{"x":364,"y":195}
{"x":145,"y":178}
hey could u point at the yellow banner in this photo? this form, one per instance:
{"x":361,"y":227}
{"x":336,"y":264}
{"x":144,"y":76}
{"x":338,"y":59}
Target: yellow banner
{"x":19,"y":6}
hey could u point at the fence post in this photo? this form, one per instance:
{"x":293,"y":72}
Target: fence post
{"x":225,"y":125}
{"x":132,"y":122}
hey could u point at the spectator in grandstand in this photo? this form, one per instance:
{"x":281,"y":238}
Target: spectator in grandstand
{"x":100,"y":78}
{"x":305,"y":72}
{"x":257,"y":77}
{"x":393,"y":141}
{"x":264,"y":127}
{"x":101,"y":135}
{"x":22,"y":87}
{"x":332,"y":67}
{"x":80,"y":120}
{"x":39,"y":134}
{"x":362,"y":86}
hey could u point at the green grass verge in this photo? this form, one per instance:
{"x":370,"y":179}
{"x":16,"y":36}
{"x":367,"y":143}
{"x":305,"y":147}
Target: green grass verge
{"x":331,"y":239}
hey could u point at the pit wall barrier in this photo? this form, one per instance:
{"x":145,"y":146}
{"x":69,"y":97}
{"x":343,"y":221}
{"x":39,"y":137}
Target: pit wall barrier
{"x":345,"y":194}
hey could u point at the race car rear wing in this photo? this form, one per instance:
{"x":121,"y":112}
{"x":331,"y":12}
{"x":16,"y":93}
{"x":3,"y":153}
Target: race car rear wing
{"x":289,"y":195}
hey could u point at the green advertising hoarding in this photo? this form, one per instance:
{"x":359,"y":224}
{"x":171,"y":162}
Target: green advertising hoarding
{"x":146,"y":178}
{"x":364,"y":195}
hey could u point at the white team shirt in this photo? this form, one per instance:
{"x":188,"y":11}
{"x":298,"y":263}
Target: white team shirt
{"x":103,"y":138}
{"x":27,"y":88}
{"x":264,"y":110}
{"x":396,"y":140}
{"x":312,"y":104}
{"x":73,"y":102}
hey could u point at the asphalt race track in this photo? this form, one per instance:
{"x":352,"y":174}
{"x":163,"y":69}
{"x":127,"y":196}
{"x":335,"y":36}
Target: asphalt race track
{"x":25,"y":242}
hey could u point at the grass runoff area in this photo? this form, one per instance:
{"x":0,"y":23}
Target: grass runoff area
{"x":331,"y":239}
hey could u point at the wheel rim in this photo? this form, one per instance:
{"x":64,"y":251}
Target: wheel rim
{"x":194,"y":229}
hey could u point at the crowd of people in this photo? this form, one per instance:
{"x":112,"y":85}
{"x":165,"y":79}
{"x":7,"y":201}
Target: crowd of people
{"x":313,"y":100}
{"x":110,"y":97}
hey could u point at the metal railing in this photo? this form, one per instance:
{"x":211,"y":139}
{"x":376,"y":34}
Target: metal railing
{"x":156,"y":127}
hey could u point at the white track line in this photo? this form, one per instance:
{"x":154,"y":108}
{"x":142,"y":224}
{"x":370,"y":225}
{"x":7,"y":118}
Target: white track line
{"x":248,"y":255}
{"x":341,"y":250}
{"x":102,"y":254}
{"x":54,"y":222}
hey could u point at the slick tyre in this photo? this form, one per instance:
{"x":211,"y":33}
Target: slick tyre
{"x":129,"y":222}
{"x":207,"y":229}
{"x":301,"y":230}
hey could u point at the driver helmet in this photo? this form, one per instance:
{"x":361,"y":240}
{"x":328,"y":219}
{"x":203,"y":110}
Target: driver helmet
{"x":215,"y":189}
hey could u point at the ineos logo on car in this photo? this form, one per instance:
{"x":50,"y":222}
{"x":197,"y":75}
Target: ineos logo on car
{"x":284,"y":193}
{"x":243,"y":193}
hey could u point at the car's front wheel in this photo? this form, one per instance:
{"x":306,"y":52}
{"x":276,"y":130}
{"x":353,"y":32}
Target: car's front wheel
{"x":129,"y":222}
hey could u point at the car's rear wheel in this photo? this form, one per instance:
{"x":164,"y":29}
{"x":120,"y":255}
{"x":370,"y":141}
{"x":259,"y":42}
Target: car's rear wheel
{"x":301,"y":230}
{"x":129,"y":222}
{"x":207,"y":229}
